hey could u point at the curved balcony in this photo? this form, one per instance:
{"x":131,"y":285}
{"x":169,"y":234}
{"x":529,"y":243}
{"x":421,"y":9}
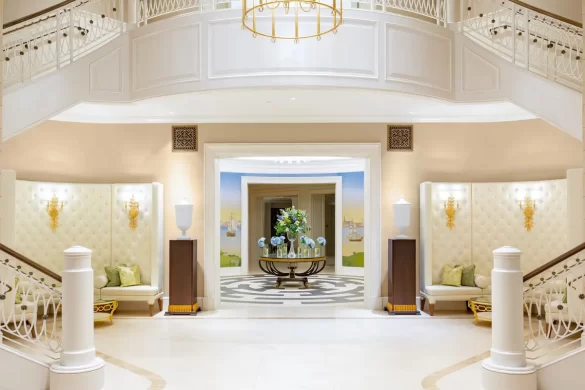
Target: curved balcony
{"x":102,"y":51}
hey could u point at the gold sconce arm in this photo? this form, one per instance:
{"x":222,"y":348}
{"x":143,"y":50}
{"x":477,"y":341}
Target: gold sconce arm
{"x":451,"y":207}
{"x":528,"y":207}
{"x":132,"y":208}
{"x":53,"y":210}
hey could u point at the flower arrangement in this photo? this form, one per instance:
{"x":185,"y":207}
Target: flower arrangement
{"x":261,"y":242}
{"x":321,"y":241}
{"x":311,"y":243}
{"x":276,"y":241}
{"x":291,"y":221}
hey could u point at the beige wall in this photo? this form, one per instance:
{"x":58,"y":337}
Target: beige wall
{"x":570,"y":9}
{"x":73,"y":152}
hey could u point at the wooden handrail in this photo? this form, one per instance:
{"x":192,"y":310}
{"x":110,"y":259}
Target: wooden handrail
{"x":547,"y":13}
{"x":554,"y":262}
{"x":30,"y":263}
{"x":37,"y":14}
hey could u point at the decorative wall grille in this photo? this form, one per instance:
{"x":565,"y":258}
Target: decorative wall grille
{"x":185,"y":138}
{"x":400,"y":137}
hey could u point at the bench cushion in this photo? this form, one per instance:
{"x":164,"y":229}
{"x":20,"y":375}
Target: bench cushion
{"x":141,"y":290}
{"x":453,"y":291}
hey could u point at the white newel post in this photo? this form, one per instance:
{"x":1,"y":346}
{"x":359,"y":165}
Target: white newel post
{"x":79,"y":367}
{"x":507,"y":368}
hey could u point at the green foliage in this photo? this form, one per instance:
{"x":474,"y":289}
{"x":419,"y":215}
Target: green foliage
{"x":355,"y":260}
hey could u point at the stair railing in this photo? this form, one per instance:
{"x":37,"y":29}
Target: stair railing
{"x":57,"y":37}
{"x":554,"y":305}
{"x":548,"y":45}
{"x":30,"y":306}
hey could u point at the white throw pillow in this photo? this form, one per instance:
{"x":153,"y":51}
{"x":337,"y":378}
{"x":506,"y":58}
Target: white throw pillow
{"x":100,"y":281}
{"x":482,"y":281}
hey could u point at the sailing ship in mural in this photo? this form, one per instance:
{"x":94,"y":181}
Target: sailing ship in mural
{"x":232,"y":227}
{"x":354,"y":234}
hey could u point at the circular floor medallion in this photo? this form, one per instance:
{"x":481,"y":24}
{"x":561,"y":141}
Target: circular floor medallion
{"x":323,"y":290}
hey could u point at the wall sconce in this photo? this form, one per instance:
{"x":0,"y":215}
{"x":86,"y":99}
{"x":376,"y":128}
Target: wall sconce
{"x":53,"y":209}
{"x":132,"y":208}
{"x":527,"y":201}
{"x":451,"y":204}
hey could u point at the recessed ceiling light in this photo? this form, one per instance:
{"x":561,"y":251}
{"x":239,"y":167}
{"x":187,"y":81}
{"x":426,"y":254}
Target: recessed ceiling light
{"x":293,"y":98}
{"x":171,"y":113}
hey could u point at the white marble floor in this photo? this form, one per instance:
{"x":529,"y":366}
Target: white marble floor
{"x":371,"y":353}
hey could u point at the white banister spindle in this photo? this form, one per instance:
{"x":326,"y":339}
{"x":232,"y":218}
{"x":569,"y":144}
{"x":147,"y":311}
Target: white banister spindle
{"x":70,"y":34}
{"x":79,"y":368}
{"x":514,"y":33}
{"x":507,"y":368}
{"x":122,"y":4}
{"x":58,"y":39}
{"x":526,"y":37}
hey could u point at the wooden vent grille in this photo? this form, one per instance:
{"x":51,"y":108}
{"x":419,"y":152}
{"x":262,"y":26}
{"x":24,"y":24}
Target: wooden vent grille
{"x":400,"y":138}
{"x":185,"y":138}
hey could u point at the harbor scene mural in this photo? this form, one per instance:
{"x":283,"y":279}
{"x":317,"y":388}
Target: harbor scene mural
{"x":352,"y":210}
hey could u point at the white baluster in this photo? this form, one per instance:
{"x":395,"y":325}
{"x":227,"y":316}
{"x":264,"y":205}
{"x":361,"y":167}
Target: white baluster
{"x":79,"y":367}
{"x":122,"y":15}
{"x":526,"y":37}
{"x":71,"y":31}
{"x":507,"y":368}
{"x":514,"y":34}
{"x":58,"y":39}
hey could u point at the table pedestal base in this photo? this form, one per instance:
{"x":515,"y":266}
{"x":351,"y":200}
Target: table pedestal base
{"x":304,"y":281}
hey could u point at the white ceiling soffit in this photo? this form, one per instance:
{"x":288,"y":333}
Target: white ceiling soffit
{"x":293,"y":106}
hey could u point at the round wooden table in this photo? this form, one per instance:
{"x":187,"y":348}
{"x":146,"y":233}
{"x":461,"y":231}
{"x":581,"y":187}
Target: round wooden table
{"x":267,"y":264}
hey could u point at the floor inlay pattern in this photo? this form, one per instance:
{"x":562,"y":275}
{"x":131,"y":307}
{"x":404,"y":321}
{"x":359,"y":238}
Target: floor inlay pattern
{"x":323,"y":290}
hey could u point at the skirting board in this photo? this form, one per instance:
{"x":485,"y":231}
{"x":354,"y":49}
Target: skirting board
{"x":166,"y":303}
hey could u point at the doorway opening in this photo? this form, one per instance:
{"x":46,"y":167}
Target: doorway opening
{"x":347,"y":157}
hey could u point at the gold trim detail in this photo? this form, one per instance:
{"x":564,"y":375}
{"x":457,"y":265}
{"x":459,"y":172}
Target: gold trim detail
{"x":451,"y":207}
{"x":528,"y":206}
{"x":396,"y":308}
{"x":183,"y":308}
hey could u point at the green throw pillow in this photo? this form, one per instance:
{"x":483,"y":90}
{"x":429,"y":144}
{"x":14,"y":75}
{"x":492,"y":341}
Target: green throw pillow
{"x":468,"y":276}
{"x":452,"y":276}
{"x":113,"y":276}
{"x":129,"y":276}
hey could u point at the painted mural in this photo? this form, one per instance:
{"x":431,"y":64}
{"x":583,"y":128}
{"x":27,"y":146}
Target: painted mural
{"x":352,"y":210}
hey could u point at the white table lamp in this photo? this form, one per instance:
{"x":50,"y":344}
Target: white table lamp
{"x":184,"y":215}
{"x":401,"y":217}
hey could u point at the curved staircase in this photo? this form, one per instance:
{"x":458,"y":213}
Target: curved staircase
{"x":106,"y":51}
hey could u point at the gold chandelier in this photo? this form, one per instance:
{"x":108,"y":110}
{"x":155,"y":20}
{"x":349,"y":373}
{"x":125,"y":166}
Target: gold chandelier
{"x":291,"y":19}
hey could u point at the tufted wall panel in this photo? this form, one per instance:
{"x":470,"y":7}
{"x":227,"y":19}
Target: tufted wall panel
{"x":133,"y":246}
{"x":498,"y":221}
{"x":85,"y":220}
{"x":450,"y":246}
{"x":489,"y":217}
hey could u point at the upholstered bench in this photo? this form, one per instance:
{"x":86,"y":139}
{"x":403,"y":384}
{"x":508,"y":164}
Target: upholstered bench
{"x":141,"y":293}
{"x":435,"y":293}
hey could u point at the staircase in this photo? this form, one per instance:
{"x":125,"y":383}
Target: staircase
{"x":91,"y":50}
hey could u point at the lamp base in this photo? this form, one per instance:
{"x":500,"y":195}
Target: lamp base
{"x":184,"y":238}
{"x":401,"y":237}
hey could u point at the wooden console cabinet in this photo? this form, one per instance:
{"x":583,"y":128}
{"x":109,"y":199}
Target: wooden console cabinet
{"x":401,"y":277}
{"x":183,"y":278}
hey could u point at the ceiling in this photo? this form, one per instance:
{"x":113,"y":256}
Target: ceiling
{"x":293,"y":105}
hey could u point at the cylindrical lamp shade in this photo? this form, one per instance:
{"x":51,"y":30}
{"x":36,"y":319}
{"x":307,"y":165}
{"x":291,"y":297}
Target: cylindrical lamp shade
{"x":401,"y":217}
{"x":184,"y":216}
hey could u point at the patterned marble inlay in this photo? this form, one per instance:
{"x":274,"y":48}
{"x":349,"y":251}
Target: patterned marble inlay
{"x":323,"y":290}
